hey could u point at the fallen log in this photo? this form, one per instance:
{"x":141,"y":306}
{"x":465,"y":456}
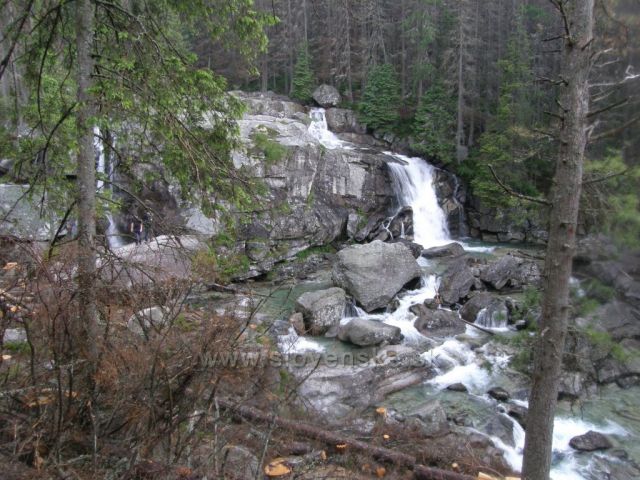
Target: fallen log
{"x":400,"y":459}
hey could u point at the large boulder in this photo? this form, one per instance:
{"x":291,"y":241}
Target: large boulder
{"x":415,"y":248}
{"x":511,"y":272}
{"x":364,"y":332}
{"x":340,"y":120}
{"x":375,"y":272}
{"x":456,"y":282}
{"x":500,"y":426}
{"x":453,"y":249}
{"x":326,"y":96}
{"x":590,"y":442}
{"x":430,"y":420}
{"x":475,"y":305}
{"x":322,"y":309}
{"x":486,"y":310}
{"x":436,"y":322}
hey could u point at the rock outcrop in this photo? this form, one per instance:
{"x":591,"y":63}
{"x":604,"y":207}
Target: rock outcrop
{"x":511,"y":272}
{"x":590,"y":441}
{"x":367,"y":333}
{"x":375,"y":272}
{"x":436,"y":322}
{"x":322,"y":309}
{"x":456,"y":282}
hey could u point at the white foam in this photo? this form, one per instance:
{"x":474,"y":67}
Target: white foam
{"x":292,"y":343}
{"x":319,"y":130}
{"x":413,"y":181}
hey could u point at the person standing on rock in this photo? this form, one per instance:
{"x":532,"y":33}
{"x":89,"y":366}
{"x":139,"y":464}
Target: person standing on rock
{"x":137,"y":227}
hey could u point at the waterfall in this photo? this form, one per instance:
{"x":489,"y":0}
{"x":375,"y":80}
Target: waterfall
{"x":413,"y":184}
{"x":104,"y":167}
{"x":319,"y":130}
{"x":493,"y":319}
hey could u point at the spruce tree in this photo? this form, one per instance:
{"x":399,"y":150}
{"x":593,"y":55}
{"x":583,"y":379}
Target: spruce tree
{"x":434,"y":124}
{"x":381,"y":99}
{"x":303,"y":80}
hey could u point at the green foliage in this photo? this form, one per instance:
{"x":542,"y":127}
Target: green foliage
{"x":598,"y":290}
{"x":522,"y":342}
{"x":149,"y":91}
{"x":604,"y":341}
{"x":380,"y":99}
{"x":613,"y":206}
{"x":519,"y":155}
{"x":17,"y":347}
{"x":303,"y":78}
{"x":434,"y":124}
{"x":304,"y":254}
{"x":273,"y":151}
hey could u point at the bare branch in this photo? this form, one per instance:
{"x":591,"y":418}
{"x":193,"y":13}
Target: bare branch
{"x":604,"y":177}
{"x":614,"y":131}
{"x":513,"y":193}
{"x":608,"y":107}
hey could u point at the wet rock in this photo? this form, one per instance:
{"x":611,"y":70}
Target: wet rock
{"x":478,"y":302}
{"x":238,"y":462}
{"x":297,"y":321}
{"x":343,"y":121}
{"x":511,"y":272}
{"x":518,"y":413}
{"x":500,"y":426}
{"x":415,"y":248}
{"x":499,"y":394}
{"x":364,"y":332}
{"x":322,"y":309}
{"x":401,"y":225}
{"x":429,"y":419}
{"x":456,"y":282}
{"x":438,"y":323}
{"x":458,"y":387}
{"x":148,"y":321}
{"x":590,"y":441}
{"x":615,"y":465}
{"x":450,"y":250}
{"x":353,"y":221}
{"x":371,"y":226}
{"x":349,"y":388}
{"x":326,"y":96}
{"x":359,"y":269}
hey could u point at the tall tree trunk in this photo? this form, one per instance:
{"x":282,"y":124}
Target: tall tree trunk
{"x":565,"y":199}
{"x":85,"y":333}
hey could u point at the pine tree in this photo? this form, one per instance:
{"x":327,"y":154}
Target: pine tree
{"x":434,"y":124}
{"x":380,"y":99}
{"x":303,"y":79}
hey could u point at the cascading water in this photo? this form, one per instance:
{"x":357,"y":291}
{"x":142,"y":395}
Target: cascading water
{"x":494,"y":320}
{"x":114,"y":240}
{"x":413,"y":185}
{"x":319,"y":130}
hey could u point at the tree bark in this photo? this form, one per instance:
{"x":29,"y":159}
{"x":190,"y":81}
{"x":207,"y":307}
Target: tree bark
{"x":565,"y":198}
{"x":85,"y":330}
